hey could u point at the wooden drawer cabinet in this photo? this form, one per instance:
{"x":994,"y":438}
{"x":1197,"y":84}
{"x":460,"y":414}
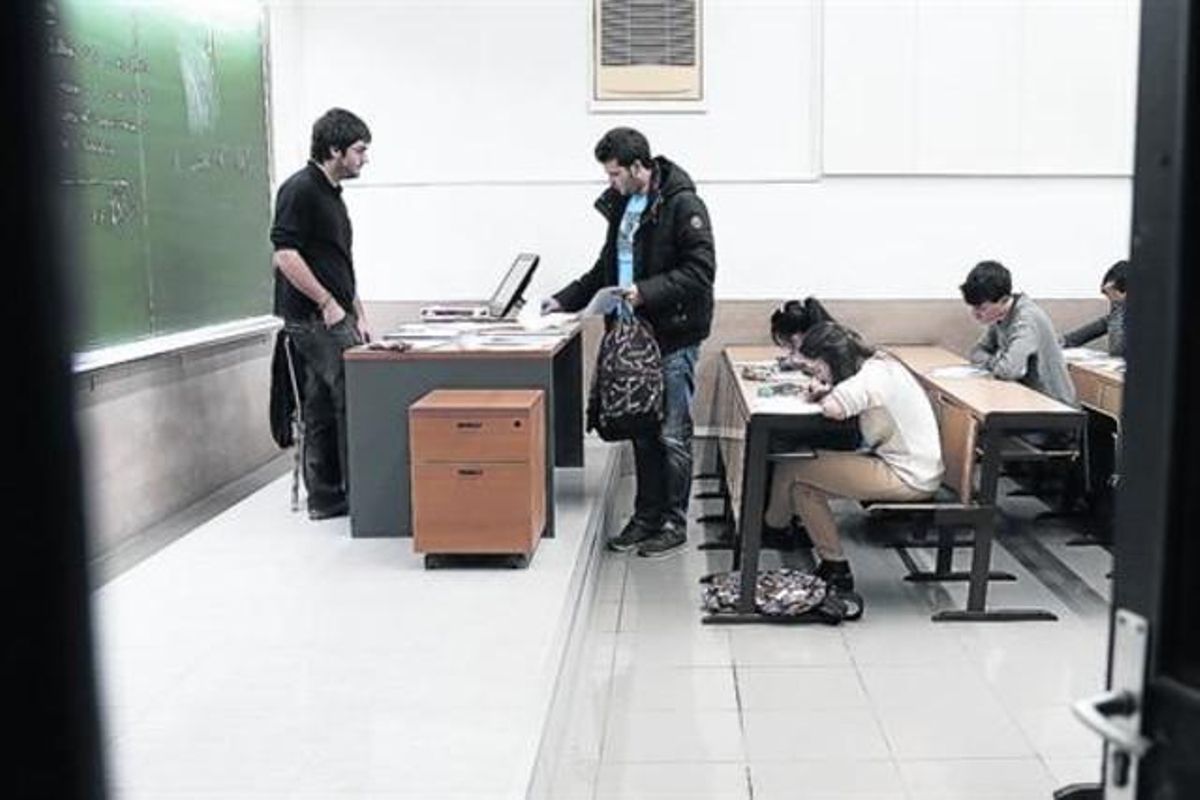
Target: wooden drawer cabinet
{"x":478,"y":471}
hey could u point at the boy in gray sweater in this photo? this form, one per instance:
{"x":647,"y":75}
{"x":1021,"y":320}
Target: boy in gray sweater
{"x":1020,"y":343}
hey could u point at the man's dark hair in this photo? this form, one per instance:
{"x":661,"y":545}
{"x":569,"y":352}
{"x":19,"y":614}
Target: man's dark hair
{"x":337,"y":129}
{"x":839,"y":347}
{"x":987,"y":282}
{"x":796,"y":316}
{"x":626,"y":146}
{"x":1116,"y":276}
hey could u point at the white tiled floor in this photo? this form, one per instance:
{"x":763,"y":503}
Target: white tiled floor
{"x":264,"y":657}
{"x":892,"y":707}
{"x":259,"y":657}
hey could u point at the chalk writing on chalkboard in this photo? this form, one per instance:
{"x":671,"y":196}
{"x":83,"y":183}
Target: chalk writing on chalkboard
{"x":162,"y":126}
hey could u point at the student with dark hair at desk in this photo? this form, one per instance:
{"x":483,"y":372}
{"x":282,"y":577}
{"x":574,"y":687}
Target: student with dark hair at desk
{"x":902,"y":460}
{"x":1019,"y":343}
{"x":1112,"y":325}
{"x":791,"y":321}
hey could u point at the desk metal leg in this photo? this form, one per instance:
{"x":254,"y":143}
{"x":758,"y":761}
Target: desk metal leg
{"x":754,"y":470}
{"x":981,"y":554}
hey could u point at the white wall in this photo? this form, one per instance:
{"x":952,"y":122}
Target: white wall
{"x":483,"y":138}
{"x":979,"y":87}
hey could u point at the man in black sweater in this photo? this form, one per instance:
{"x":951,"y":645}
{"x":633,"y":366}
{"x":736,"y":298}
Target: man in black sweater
{"x":315,"y":293}
{"x":659,"y":250}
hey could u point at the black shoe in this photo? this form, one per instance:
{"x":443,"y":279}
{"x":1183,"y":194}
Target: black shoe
{"x":790,"y":537}
{"x":338,"y":509}
{"x":800,"y":533}
{"x":787,"y":539}
{"x":667,"y":543}
{"x":836,"y":574}
{"x":633,"y":534}
{"x":777,"y":538}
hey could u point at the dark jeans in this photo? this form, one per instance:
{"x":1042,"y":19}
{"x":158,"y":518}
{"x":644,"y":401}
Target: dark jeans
{"x":664,"y":461}
{"x":323,"y":380}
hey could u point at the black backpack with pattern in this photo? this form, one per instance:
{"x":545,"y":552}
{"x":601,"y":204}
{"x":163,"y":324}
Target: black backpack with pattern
{"x":626,"y":400}
{"x":782,"y":595}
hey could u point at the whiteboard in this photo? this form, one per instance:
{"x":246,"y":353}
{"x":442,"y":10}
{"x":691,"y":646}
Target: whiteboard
{"x":979,"y":87}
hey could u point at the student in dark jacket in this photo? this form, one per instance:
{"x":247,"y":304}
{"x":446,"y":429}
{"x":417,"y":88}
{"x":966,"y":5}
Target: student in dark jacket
{"x":659,"y":250}
{"x":1112,"y":325}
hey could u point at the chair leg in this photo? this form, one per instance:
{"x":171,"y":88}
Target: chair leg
{"x":944,"y":561}
{"x":943,"y":570}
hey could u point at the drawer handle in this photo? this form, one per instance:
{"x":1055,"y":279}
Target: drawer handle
{"x":470,"y":472}
{"x":471,"y":425}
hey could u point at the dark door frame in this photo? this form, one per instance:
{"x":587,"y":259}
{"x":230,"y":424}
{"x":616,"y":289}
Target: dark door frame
{"x":1157,"y":555}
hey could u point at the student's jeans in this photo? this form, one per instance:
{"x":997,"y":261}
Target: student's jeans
{"x":323,"y":383}
{"x":664,"y":461}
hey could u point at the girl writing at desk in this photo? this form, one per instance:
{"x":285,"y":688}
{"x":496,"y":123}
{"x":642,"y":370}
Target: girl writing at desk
{"x":902,"y":456}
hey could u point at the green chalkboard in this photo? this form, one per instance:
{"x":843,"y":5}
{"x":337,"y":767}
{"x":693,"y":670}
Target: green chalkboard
{"x":162,"y":121}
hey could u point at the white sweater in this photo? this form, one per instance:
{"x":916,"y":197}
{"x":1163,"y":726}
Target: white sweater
{"x":896,"y":420}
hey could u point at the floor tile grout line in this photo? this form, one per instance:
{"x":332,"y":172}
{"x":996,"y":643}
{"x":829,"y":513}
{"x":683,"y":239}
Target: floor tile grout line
{"x":893,"y":758}
{"x":612,"y":666}
{"x":737,"y":698}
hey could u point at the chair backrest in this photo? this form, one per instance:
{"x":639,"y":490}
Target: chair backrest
{"x":957,"y":428}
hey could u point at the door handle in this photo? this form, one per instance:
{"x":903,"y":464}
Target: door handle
{"x":1097,"y":713}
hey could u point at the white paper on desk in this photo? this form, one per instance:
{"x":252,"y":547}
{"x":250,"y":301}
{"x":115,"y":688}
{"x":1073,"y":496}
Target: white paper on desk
{"x":512,"y":341}
{"x":783,"y":405}
{"x":422,"y":345}
{"x":530,"y":318}
{"x":1114,"y":363}
{"x":1083,"y":354}
{"x":958,"y":371}
{"x":417,"y":330}
{"x":545,"y":322}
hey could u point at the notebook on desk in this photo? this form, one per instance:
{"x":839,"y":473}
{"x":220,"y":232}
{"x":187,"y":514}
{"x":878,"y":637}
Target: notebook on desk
{"x":507,"y":297}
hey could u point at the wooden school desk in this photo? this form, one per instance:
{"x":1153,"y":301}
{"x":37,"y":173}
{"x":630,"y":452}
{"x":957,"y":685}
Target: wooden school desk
{"x":745,"y":425}
{"x":1100,"y":385}
{"x":1003,"y":409}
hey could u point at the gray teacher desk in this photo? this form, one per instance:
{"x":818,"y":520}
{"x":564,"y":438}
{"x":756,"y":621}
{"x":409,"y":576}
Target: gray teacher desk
{"x":382,"y":384}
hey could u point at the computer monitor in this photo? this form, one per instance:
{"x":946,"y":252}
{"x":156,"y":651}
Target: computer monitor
{"x":515,"y":281}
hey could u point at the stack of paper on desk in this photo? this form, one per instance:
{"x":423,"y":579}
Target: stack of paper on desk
{"x":958,"y":371}
{"x":1083,"y":354}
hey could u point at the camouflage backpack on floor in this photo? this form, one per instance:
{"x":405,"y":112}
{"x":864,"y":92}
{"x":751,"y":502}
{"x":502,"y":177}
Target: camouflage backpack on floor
{"x":786,"y":595}
{"x":626,"y":400}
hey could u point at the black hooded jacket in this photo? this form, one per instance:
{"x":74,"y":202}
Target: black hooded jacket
{"x":674,"y":261}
